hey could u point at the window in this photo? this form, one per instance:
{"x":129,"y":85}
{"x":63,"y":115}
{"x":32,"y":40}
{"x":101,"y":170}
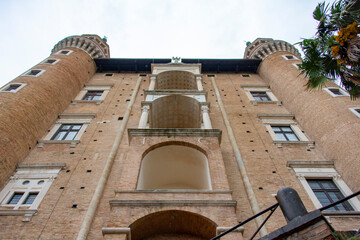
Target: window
{"x":68,"y":129}
{"x":34,"y":72}
{"x":108,"y":75}
{"x":290,"y":57}
{"x":260,"y":96}
{"x":245,"y":75}
{"x":284,"y":133}
{"x":12,"y":87}
{"x":51,"y":61}
{"x":356,"y":111}
{"x":336,"y":92}
{"x":283,"y":129}
{"x":323,"y":184}
{"x":27,"y":188}
{"x":64,"y":52}
{"x":327,"y":192}
{"x":92,"y":95}
{"x":67,"y":132}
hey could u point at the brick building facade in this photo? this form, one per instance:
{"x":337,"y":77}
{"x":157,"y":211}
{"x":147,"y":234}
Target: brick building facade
{"x":100,"y":148}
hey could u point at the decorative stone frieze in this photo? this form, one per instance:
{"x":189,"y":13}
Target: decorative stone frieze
{"x":263,"y":47}
{"x":91,"y":44}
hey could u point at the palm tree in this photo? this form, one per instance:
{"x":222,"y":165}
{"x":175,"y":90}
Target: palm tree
{"x":328,"y":56}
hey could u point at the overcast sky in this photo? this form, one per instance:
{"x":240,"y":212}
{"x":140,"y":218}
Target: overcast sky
{"x":147,"y":28}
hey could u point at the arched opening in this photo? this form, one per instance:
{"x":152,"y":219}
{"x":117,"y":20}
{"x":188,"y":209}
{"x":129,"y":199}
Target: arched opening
{"x":176,"y":80}
{"x":175,"y":111}
{"x":174,"y":167}
{"x":173,"y":225}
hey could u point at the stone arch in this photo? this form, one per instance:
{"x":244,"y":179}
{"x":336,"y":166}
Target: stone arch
{"x":175,"y":111}
{"x":174,"y":166}
{"x":176,"y":80}
{"x":173,"y":225}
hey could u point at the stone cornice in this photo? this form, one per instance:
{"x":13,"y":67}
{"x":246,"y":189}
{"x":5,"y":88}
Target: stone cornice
{"x":91,"y":44}
{"x":263,"y":47}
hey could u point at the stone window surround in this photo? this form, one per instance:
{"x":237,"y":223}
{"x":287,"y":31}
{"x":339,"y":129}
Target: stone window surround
{"x":270,"y":120}
{"x":68,"y":118}
{"x":353,"y":110}
{"x":38,"y":171}
{"x":248,"y":88}
{"x":27,"y":73}
{"x":56,"y":61}
{"x":3,"y":89}
{"x":321,"y":170}
{"x":343,"y":92}
{"x":105,"y":87}
{"x":285,"y":57}
{"x":59,"y":52}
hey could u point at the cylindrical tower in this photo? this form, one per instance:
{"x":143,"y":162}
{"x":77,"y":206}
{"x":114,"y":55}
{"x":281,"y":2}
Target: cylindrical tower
{"x":30,"y":103}
{"x":325,"y":118}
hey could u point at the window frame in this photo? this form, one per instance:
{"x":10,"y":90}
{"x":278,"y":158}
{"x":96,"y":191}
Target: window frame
{"x":343,"y":92}
{"x":68,"y":118}
{"x":287,"y":59}
{"x":105,"y":87}
{"x":353,"y":110}
{"x":250,"y":88}
{"x":67,"y":131}
{"x":274,"y":120}
{"x":4,"y":88}
{"x":27,"y":73}
{"x":45,"y":61}
{"x":347,"y":206}
{"x":305,"y":170}
{"x":68,"y":53}
{"x":32,"y":173}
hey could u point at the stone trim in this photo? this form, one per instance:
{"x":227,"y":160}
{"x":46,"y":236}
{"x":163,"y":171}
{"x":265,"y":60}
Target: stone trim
{"x":176,"y":191}
{"x":72,"y":143}
{"x":27,"y":213}
{"x":91,"y":44}
{"x":77,"y":115}
{"x":310,"y":144}
{"x":41,"y":165}
{"x":146,"y":203}
{"x":179,"y":92}
{"x":276,"y":116}
{"x":261,"y":85}
{"x":117,"y":230}
{"x":187,"y":132}
{"x":310,"y":164}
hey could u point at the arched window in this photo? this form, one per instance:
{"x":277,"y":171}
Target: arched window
{"x":174,"y":167}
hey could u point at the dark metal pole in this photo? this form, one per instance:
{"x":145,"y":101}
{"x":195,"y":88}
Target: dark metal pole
{"x":246,"y":221}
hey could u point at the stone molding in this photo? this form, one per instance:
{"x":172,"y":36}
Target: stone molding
{"x":91,"y":44}
{"x":174,"y":191}
{"x":310,"y":164}
{"x":27,"y":213}
{"x":41,"y":165}
{"x":263,"y":47}
{"x":145,"y":203}
{"x":187,"y":132}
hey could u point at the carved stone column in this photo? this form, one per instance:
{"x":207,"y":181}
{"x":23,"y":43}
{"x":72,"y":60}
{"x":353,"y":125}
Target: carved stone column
{"x":206,"y":117}
{"x":152,"y":83}
{"x":144,"y":116}
{"x":199,"y":84}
